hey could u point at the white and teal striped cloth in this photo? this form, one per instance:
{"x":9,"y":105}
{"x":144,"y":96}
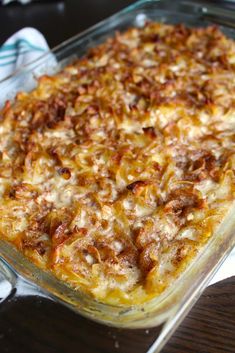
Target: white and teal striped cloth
{"x":24,"y":46}
{"x":27,"y":45}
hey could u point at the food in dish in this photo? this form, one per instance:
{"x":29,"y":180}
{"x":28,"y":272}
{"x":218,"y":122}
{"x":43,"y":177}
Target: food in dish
{"x":118,"y":169}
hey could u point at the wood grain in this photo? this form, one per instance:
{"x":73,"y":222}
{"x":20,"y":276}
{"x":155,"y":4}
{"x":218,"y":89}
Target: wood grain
{"x":210,"y":326}
{"x":35,"y":325}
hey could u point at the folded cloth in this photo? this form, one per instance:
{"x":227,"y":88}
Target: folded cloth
{"x":226,"y":270}
{"x":6,"y":2}
{"x":24,"y":46}
{"x":27,"y":45}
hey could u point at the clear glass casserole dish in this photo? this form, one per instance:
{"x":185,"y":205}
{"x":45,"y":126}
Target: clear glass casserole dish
{"x":174,"y":303}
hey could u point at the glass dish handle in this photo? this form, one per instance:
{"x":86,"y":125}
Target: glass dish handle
{"x":12,"y":285}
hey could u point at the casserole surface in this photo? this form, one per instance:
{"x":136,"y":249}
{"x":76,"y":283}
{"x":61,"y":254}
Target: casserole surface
{"x":116,"y":170}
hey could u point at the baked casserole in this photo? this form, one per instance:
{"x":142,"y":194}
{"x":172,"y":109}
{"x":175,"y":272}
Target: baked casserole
{"x":118,"y":169}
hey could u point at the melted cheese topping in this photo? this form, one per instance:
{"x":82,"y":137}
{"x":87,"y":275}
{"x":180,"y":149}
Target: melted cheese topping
{"x":117,"y":170}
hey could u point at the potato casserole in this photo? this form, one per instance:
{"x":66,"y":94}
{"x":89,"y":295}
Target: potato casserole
{"x":115,"y":171}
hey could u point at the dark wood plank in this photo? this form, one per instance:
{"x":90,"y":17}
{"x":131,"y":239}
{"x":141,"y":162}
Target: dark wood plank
{"x":210,"y":326}
{"x":36,"y":325}
{"x":57,"y":20}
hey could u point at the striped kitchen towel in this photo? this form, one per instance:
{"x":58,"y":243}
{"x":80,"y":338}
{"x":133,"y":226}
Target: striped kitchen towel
{"x":23,"y":47}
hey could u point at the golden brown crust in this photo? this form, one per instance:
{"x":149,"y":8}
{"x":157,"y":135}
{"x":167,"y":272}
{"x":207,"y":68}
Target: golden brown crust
{"x":115,"y":171}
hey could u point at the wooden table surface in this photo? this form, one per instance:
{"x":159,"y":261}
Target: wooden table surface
{"x":35,"y":325}
{"x":31,"y":325}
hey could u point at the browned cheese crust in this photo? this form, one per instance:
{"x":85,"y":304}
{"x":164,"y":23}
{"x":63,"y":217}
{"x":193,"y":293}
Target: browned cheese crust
{"x":118,"y":169}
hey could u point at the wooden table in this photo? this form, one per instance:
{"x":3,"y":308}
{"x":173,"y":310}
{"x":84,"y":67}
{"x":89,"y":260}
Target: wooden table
{"x":30,"y":325}
{"x":35,"y":325}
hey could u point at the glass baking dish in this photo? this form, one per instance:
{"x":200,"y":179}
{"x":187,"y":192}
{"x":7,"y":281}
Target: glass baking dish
{"x":173,"y":304}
